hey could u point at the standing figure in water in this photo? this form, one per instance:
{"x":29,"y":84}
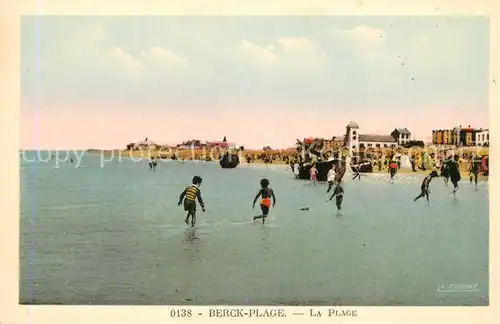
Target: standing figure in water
{"x":454,"y":171}
{"x":152,"y":164}
{"x":393,"y":169}
{"x":330,"y":178}
{"x":266,"y":194}
{"x":314,"y":172}
{"x":445,"y":171}
{"x":189,"y":195}
{"x":296,"y":169}
{"x":355,"y":168}
{"x":425,"y":186}
{"x":338,"y":193}
{"x":474,"y":169}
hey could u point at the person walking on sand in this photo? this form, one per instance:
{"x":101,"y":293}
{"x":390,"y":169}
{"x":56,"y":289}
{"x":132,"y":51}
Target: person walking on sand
{"x":266,"y":194}
{"x":314,"y":173}
{"x":425,"y":186}
{"x":189,"y":196}
{"x":393,"y":169}
{"x":454,"y":171}
{"x":445,"y":170}
{"x":296,"y":169}
{"x":475,"y":165}
{"x":413,"y":164}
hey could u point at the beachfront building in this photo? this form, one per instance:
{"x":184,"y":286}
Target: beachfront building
{"x":464,"y":136}
{"x":143,"y":145}
{"x":443,"y":137}
{"x":354,"y":140}
{"x":221,"y":145}
{"x":461,"y":136}
{"x":483,"y":137}
{"x":191,"y":144}
{"x":377,"y":141}
{"x":401,"y":135}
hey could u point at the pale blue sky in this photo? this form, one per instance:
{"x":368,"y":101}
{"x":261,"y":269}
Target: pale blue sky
{"x":405,"y":70}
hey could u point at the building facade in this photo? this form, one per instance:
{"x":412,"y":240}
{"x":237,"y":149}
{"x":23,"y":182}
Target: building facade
{"x":460,"y":136}
{"x":333,"y":144}
{"x":401,"y":135}
{"x":354,"y":140}
{"x":483,"y":137}
{"x":444,"y":137}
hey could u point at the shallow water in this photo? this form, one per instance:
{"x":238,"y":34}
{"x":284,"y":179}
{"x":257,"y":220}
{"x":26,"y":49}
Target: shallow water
{"x":115,"y":235}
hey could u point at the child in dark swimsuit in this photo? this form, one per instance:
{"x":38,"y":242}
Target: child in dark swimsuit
{"x":474,"y":170}
{"x":266,"y":194}
{"x":189,"y":195}
{"x":454,"y":171}
{"x":355,"y":168}
{"x":445,"y":172}
{"x":425,"y":186}
{"x":338,"y":193}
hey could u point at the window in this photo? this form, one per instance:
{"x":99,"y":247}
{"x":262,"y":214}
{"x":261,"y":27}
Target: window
{"x":385,"y":145}
{"x":354,"y":146}
{"x":361,"y":145}
{"x":393,"y":145}
{"x":488,"y":137}
{"x":354,"y":137}
{"x":353,"y":132}
{"x":377,"y":145}
{"x":370,"y":145}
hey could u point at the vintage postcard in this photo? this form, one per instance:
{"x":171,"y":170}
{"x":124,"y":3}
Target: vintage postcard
{"x":287,"y":166}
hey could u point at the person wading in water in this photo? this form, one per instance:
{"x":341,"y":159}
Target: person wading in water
{"x":425,"y":186}
{"x":189,"y":196}
{"x":266,"y":194}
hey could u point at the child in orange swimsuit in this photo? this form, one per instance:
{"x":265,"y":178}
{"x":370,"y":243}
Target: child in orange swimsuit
{"x":266,"y":194}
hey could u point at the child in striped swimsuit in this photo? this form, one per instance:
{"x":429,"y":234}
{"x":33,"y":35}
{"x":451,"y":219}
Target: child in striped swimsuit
{"x":189,"y":195}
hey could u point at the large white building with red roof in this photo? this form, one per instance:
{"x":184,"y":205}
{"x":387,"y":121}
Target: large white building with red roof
{"x":354,"y":140}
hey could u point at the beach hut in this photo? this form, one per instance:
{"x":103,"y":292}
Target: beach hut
{"x":405,"y":162}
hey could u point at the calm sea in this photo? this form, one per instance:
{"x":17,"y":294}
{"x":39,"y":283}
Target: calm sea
{"x":114,"y":235}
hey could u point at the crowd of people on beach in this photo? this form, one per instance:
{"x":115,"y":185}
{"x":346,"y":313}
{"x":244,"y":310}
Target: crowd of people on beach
{"x":440,"y":164}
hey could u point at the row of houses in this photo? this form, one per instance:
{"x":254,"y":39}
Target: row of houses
{"x":197,"y":144}
{"x":190,"y":144}
{"x":461,"y":136}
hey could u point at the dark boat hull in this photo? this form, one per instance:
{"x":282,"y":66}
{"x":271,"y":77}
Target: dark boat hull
{"x":229,"y":162}
{"x":322,"y":167}
{"x":363,"y":168}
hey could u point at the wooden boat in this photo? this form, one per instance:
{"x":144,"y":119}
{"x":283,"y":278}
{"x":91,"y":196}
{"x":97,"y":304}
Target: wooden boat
{"x":322,"y":167}
{"x":363,"y":167}
{"x":229,"y":161}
